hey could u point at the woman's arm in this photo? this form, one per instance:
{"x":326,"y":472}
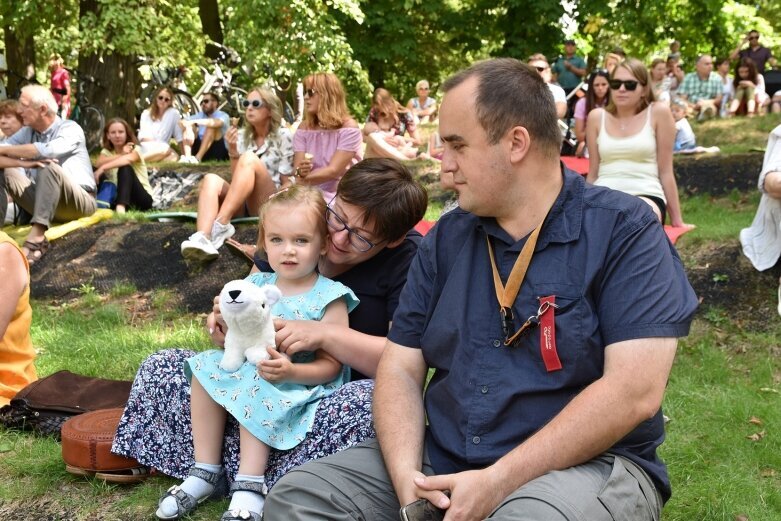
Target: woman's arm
{"x":14,"y":276}
{"x":664,"y":128}
{"x":107,"y":163}
{"x":592,"y":133}
{"x":322,"y":370}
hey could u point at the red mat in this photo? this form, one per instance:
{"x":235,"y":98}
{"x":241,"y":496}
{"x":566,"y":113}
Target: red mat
{"x":578,"y":164}
{"x":674,"y":233}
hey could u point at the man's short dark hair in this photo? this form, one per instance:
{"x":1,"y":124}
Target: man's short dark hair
{"x":511,"y":94}
{"x":388,"y":195}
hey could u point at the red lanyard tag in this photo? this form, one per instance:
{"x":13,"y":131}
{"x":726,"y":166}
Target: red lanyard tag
{"x":548,"y":335}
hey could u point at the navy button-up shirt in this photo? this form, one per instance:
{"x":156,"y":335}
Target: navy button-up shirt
{"x":615,"y":277}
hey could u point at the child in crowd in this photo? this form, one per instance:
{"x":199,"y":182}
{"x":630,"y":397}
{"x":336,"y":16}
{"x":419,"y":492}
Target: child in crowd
{"x":275,"y":402}
{"x":684,"y":135}
{"x":121,"y":163}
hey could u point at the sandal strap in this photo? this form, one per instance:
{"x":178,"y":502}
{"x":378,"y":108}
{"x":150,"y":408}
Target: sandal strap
{"x":249,"y":486}
{"x":240,"y":515}
{"x":185,"y":503}
{"x":212,"y":478}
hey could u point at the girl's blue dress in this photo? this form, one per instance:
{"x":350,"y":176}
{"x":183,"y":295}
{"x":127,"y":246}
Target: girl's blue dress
{"x":280,"y":415}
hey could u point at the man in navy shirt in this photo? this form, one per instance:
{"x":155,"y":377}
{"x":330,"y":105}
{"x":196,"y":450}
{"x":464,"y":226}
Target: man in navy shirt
{"x":560,"y":421}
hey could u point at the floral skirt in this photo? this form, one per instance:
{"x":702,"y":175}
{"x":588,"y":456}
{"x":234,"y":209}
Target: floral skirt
{"x":155,"y":428}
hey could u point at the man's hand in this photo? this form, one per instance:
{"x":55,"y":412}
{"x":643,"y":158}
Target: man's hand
{"x":278,"y":368}
{"x":295,"y":336}
{"x":474,"y":494}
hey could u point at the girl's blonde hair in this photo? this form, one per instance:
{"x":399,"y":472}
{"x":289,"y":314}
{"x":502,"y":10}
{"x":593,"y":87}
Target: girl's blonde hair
{"x":637,"y":69}
{"x":271,"y":101}
{"x":154,"y":110}
{"x":386,"y":105}
{"x":332,"y":107}
{"x":296,"y":195}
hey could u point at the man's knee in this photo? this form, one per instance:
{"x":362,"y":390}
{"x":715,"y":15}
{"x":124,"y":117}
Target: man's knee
{"x":772,"y":184}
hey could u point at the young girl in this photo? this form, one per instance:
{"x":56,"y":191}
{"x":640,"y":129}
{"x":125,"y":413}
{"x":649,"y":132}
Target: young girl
{"x":274,"y":402}
{"x":120,"y":163}
{"x":745,"y":84}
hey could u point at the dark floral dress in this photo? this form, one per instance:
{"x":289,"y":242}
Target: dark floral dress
{"x":405,"y":124}
{"x":155,"y":428}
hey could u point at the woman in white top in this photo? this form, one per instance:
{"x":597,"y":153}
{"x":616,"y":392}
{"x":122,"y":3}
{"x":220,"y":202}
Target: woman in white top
{"x":261,"y":156}
{"x":159,"y":123}
{"x":631,"y":142}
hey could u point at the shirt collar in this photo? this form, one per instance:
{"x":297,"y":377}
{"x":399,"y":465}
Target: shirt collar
{"x":52,"y":128}
{"x":564,"y":220}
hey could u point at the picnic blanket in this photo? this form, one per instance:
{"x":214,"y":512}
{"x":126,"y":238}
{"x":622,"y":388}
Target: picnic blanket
{"x":169,"y":187}
{"x":19,"y":233}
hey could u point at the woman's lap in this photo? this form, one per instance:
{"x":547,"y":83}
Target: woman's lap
{"x":155,"y":428}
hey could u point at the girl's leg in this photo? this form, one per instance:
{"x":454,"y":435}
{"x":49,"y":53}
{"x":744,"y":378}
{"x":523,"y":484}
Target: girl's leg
{"x":125,"y":177}
{"x":250,"y":485}
{"x":208,"y":423}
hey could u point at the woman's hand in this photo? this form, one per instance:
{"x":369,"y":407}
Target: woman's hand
{"x":215,"y":324}
{"x":295,"y":336}
{"x":678,"y":223}
{"x":580,"y":151}
{"x":232,"y":138}
{"x":128,"y":148}
{"x":98,"y":172}
{"x":305,"y":167}
{"x":278,"y":368}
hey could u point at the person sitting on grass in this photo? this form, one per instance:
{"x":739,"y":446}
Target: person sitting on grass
{"x":385,"y":127}
{"x":10,"y":120}
{"x":597,"y":96}
{"x":684,"y":135}
{"x":16,"y":347}
{"x":61,"y":185}
{"x":261,"y":157}
{"x":121,"y":163}
{"x":745,"y":87}
{"x":423,"y":106}
{"x":212,"y":124}
{"x":159,"y":124}
{"x":274,"y":401}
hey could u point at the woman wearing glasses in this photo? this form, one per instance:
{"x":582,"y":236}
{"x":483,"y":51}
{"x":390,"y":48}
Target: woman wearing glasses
{"x":423,"y":107}
{"x":328,"y":141}
{"x":261,"y":157}
{"x":631,"y":142}
{"x":370,"y":250}
{"x":159,"y":124}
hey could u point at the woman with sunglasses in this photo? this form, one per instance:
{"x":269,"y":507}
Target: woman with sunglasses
{"x":159,"y":123}
{"x":328,"y":141}
{"x":386,"y":126}
{"x":261,"y":157}
{"x":370,"y":249}
{"x":597,"y":96}
{"x":423,"y":106}
{"x":631,"y":143}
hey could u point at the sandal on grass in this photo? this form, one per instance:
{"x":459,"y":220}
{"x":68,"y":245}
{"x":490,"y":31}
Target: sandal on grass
{"x":245,"y":252}
{"x":36,"y":250}
{"x":186,"y":503}
{"x":245,"y":515}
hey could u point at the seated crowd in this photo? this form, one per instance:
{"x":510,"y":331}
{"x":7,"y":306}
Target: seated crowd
{"x":363,"y":298}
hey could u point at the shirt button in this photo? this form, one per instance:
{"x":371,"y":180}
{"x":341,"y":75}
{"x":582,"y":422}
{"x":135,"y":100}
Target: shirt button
{"x":484,"y":389}
{"x":476,"y":440}
{"x":497,"y":343}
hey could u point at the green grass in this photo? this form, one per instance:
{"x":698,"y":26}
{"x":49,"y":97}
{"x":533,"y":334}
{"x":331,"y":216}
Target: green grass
{"x":718,"y":218}
{"x":736,"y":135}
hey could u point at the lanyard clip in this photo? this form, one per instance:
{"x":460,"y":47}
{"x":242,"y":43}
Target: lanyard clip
{"x":507,"y":320}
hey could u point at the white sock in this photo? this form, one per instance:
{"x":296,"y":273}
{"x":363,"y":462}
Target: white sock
{"x":194,"y":486}
{"x":244,"y":500}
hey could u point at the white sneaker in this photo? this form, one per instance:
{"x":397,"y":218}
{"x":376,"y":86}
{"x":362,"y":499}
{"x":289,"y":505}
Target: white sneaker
{"x":184,"y":159}
{"x":198,"y":248}
{"x":194,"y":160}
{"x":221,"y":232}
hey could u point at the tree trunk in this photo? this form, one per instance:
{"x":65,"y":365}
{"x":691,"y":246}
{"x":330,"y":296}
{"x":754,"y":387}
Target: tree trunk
{"x":209,"y":13}
{"x":20,"y":56}
{"x":114,"y":92}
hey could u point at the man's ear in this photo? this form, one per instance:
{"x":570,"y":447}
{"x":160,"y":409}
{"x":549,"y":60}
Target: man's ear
{"x":520,"y":143}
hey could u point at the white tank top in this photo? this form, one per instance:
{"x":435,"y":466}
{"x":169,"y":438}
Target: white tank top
{"x":628,"y":164}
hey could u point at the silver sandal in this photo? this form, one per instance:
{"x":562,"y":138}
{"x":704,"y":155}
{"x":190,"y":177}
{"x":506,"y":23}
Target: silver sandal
{"x":245,"y":515}
{"x":186,"y":503}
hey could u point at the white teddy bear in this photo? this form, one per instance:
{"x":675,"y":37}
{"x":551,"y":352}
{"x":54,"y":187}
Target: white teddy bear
{"x":246,"y":309}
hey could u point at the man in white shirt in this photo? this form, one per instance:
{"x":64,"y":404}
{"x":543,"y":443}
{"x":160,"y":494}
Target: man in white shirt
{"x":540,"y":62}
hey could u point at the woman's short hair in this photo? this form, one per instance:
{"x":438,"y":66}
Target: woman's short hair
{"x":637,"y":69}
{"x":274,"y":105}
{"x":332,"y":107}
{"x":390,"y":197}
{"x":131,"y":136}
{"x":154,"y":110}
{"x":422,"y":84}
{"x":55,"y":61}
{"x":510,"y":94}
{"x":10,"y":107}
{"x":303,"y":195}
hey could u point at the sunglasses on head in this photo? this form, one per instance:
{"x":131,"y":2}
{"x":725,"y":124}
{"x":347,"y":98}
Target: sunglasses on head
{"x":255,"y":103}
{"x":163,"y":98}
{"x":629,"y":85}
{"x":309,"y":92}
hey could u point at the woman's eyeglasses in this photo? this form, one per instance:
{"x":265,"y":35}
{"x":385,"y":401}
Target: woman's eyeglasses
{"x":629,"y":85}
{"x":337,"y":224}
{"x":163,"y":98}
{"x":309,"y":92}
{"x":254,"y":103}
